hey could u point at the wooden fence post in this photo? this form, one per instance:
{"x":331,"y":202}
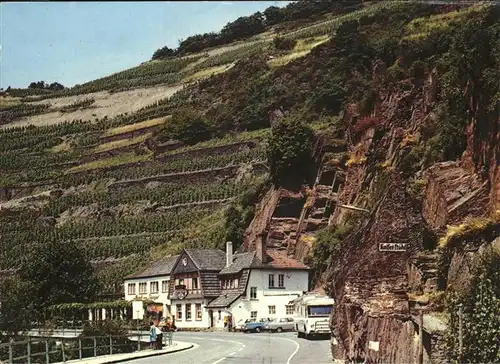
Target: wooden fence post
{"x":460,"y":334}
{"x":95,"y":347}
{"x":63,"y":354}
{"x":79,"y":348}
{"x":47,"y":356}
{"x":28,"y":350}
{"x":11,"y":352}
{"x":110,"y":345}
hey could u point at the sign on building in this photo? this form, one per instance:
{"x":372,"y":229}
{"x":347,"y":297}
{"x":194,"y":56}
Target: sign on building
{"x":393,"y":247}
{"x":137,"y":310}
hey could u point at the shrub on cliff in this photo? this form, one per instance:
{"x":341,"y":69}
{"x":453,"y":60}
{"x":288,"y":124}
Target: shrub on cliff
{"x":186,"y":125}
{"x":480,"y":305}
{"x":289,"y":152}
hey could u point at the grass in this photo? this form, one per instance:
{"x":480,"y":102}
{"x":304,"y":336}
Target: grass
{"x":301,"y":49}
{"x":122,"y":143}
{"x":468,"y":226}
{"x":62,"y":147}
{"x":118,"y":160}
{"x":137,"y":126}
{"x":421,"y":28}
{"x":207,"y":72}
{"x":9,"y":101}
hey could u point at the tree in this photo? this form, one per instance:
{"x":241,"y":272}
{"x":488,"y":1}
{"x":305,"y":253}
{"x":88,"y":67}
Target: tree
{"x":55,"y":86}
{"x":289,"y":152}
{"x":163,"y":53}
{"x":187,"y":126}
{"x":14,"y":310}
{"x":57,"y":272}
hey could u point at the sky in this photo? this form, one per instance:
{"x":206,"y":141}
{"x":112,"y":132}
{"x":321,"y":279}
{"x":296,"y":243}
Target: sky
{"x":75,"y":42}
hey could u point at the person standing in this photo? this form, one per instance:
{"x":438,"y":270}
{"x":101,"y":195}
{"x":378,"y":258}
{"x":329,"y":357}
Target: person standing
{"x":159,"y":337}
{"x":152,"y":336}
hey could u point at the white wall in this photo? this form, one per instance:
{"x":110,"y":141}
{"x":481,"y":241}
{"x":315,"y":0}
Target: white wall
{"x":160,"y":297}
{"x":193,"y":323}
{"x":295,"y":283}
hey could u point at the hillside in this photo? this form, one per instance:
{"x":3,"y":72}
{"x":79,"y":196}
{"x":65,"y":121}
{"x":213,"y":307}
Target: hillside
{"x":404,"y":103}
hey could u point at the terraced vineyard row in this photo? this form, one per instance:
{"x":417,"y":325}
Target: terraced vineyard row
{"x":16,"y":237}
{"x":166,"y":195}
{"x":152,"y":168}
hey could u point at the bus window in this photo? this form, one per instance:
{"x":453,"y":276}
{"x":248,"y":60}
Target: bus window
{"x":319,"y":310}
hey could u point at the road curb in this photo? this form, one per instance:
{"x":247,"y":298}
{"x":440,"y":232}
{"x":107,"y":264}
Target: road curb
{"x":110,"y":361}
{"x":190,"y":346}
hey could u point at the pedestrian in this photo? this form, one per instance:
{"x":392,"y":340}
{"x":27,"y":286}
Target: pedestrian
{"x":152,"y":336}
{"x":159,"y":337}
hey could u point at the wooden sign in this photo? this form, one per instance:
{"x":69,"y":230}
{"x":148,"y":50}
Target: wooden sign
{"x":392,"y":247}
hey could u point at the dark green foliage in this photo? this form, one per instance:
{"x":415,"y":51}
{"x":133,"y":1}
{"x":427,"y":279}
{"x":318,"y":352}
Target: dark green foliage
{"x":240,"y":213}
{"x":15,"y":308}
{"x":481,"y":313}
{"x":325,"y":250}
{"x":57,"y":272}
{"x":284,"y":43}
{"x":289,"y":152}
{"x":121,"y":343}
{"x":187,"y":126}
{"x":163,"y":53}
{"x":247,"y":26}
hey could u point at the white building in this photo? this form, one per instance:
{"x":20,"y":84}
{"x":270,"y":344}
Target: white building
{"x":152,"y":284}
{"x":258,"y":284}
{"x":203,"y":288}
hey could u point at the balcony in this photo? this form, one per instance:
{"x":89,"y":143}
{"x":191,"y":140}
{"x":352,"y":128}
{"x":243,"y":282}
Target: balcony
{"x":180,"y":287}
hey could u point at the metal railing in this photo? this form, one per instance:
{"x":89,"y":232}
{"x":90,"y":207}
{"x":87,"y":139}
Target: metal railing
{"x":58,"y":349}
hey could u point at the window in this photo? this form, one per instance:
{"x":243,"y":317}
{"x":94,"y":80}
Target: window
{"x":195,"y":283}
{"x":179,"y":312}
{"x":198,"y":312}
{"x":153,"y":287}
{"x":236,"y":283}
{"x":181,"y":282}
{"x":232,"y":283}
{"x":188,"y":311}
{"x":131,"y":288}
{"x":164,"y":286}
{"x":281,"y":280}
{"x":271,"y":280}
{"x":253,"y":293}
{"x":272,"y":310}
{"x":253,"y":314}
{"x":289,"y":309}
{"x":143,"y":287}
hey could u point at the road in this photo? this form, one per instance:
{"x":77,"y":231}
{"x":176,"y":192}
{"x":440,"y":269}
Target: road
{"x":240,"y":348}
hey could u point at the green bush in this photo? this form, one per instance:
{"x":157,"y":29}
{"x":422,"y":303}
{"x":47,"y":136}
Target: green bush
{"x":188,"y":126}
{"x":289,"y":152}
{"x":480,"y":305}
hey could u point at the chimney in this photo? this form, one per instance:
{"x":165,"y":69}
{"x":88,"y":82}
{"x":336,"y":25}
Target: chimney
{"x":260,"y":249}
{"x":229,"y":253}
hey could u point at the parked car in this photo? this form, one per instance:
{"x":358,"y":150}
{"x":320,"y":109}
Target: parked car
{"x":255,"y":326}
{"x":281,"y":324}
{"x":241,"y":323}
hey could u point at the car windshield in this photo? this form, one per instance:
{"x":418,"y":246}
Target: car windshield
{"x":319,"y":310}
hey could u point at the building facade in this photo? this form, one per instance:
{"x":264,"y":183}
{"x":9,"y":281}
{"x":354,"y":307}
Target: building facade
{"x":210,"y":288}
{"x":152,"y":284}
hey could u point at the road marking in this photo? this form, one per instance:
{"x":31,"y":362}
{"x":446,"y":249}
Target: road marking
{"x":218,"y":361}
{"x":296,"y":350}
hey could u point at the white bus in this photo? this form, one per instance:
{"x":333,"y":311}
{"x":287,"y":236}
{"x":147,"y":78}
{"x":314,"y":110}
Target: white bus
{"x":312,"y":315}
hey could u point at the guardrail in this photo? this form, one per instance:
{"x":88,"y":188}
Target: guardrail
{"x":53,"y":350}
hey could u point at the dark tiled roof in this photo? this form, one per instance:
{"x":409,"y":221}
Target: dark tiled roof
{"x":207,"y":259}
{"x":161,"y":267}
{"x":210,"y":284}
{"x":224,"y":300}
{"x":228,"y":296}
{"x":240,"y":261}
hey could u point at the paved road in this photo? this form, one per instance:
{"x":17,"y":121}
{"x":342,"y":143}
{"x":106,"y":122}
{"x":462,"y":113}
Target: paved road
{"x":239,"y":348}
